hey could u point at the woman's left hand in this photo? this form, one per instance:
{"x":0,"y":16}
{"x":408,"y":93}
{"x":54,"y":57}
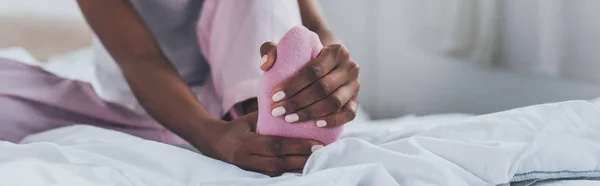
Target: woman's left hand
{"x":324,"y":90}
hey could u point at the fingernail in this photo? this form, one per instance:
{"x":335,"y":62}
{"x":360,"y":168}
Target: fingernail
{"x":278,"y":96}
{"x":291,"y":118}
{"x":278,"y":111}
{"x":316,"y":147}
{"x":321,"y":123}
{"x":264,"y":59}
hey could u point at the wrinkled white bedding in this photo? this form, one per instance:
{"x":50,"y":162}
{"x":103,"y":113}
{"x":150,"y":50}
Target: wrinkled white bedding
{"x":570,"y":183}
{"x":552,"y":141}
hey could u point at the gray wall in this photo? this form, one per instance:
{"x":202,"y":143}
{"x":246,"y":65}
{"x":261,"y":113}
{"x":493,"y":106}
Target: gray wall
{"x":398,"y":79}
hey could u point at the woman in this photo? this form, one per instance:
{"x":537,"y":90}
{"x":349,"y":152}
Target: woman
{"x":201,"y":83}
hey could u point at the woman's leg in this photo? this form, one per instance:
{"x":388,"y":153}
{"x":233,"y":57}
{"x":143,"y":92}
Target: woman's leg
{"x":230,"y":34}
{"x":33,"y":100}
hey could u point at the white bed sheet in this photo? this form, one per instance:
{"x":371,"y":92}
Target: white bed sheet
{"x":442,"y":150}
{"x":570,"y":183}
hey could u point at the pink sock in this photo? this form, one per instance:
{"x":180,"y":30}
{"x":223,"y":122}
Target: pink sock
{"x":296,"y":48}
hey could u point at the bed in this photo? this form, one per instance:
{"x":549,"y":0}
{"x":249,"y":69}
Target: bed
{"x":517,"y":146}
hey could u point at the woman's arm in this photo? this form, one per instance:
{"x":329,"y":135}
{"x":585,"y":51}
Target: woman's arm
{"x":312,"y":18}
{"x":163,"y":93}
{"x":155,"y":83}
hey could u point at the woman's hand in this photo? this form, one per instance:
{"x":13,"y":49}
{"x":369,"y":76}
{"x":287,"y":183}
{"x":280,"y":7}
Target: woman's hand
{"x":236,"y":142}
{"x":325,"y":89}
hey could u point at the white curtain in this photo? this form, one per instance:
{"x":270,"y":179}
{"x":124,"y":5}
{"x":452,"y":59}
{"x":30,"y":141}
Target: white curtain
{"x":549,"y":37}
{"x":458,"y":28}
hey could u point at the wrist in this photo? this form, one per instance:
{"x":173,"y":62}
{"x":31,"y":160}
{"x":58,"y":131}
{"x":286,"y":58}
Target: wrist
{"x":325,"y":35}
{"x":204,"y":132}
{"x":328,"y":38}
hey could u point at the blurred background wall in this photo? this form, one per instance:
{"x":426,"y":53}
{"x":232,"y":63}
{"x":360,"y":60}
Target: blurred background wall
{"x":417,"y":56}
{"x":437,"y":56}
{"x":44,"y":27}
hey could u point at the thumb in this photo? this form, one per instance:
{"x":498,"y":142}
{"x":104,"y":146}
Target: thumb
{"x":268,"y":51}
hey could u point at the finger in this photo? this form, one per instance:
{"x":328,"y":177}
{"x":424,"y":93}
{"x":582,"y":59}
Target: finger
{"x":347,"y":114}
{"x":329,"y":58}
{"x":280,"y":146}
{"x":333,"y":103}
{"x":319,"y":90}
{"x":277,"y":164}
{"x":268,"y":51}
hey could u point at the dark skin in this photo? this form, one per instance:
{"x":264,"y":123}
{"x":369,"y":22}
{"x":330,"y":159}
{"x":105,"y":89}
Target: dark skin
{"x":330,"y":94}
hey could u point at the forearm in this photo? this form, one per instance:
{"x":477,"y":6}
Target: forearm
{"x":156,"y":84}
{"x":313,"y":19}
{"x":326,"y":36}
{"x":168,"y":99}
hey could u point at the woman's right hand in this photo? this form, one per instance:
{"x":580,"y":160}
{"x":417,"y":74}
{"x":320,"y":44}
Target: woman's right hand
{"x":236,"y":142}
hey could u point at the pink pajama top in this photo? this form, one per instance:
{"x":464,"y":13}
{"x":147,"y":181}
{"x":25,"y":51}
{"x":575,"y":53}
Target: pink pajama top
{"x":213,"y":44}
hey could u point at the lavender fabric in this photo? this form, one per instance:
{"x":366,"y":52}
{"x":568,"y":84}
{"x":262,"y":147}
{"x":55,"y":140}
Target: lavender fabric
{"x":298,"y":46}
{"x":33,"y":100}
